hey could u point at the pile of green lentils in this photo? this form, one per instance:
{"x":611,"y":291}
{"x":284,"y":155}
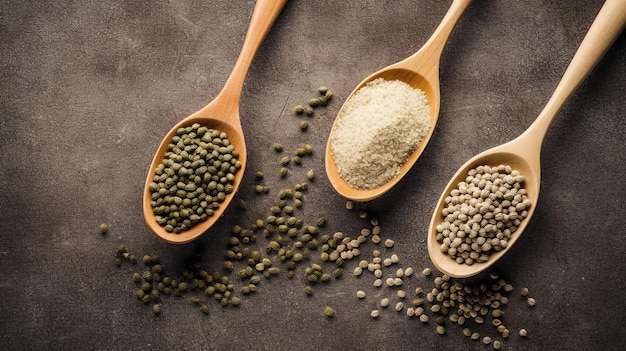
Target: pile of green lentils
{"x":285,"y":244}
{"x":194,"y":178}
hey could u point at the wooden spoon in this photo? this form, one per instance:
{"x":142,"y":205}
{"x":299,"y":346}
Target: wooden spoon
{"x":523,"y":153}
{"x":420,"y":70}
{"x":221,"y":114}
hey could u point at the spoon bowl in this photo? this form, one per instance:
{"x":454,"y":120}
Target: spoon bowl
{"x":221,"y":114}
{"x":523,"y":153}
{"x":506,"y":154}
{"x":420,"y":71}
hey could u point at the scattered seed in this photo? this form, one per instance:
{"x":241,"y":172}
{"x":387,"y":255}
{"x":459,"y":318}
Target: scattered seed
{"x":389,"y":243}
{"x":523,"y":332}
{"x":329,"y":312}
{"x":399,"y":306}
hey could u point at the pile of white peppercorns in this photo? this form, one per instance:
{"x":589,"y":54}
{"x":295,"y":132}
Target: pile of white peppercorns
{"x":482,"y":213}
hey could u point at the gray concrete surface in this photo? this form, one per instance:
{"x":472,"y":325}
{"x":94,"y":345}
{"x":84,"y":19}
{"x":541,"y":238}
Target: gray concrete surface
{"x":88,"y":89}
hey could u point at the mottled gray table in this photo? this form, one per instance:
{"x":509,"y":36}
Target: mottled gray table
{"x":89,"y":88}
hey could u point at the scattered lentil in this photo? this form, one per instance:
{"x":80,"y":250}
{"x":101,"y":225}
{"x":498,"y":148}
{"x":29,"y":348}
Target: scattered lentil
{"x":104,"y":228}
{"x":329,"y":312}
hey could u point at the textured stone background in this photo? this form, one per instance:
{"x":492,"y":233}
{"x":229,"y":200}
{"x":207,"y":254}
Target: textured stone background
{"x":89,"y":88}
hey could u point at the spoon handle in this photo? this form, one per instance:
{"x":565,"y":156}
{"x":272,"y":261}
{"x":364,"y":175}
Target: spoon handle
{"x":263,"y":16}
{"x":435,"y":44}
{"x":607,"y":26}
{"x":442,"y":33}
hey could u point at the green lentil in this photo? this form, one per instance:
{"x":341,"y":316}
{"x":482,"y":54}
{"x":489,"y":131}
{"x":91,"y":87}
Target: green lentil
{"x":328,"y":95}
{"x":338,"y":273}
{"x":329,"y":312}
{"x":304,"y":125}
{"x":104,"y":228}
{"x":140,"y":293}
{"x":197,"y":172}
{"x":314,"y":102}
{"x":278,"y":147}
{"x":298,"y":109}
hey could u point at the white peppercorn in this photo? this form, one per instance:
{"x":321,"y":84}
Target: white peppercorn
{"x":389,"y":243}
